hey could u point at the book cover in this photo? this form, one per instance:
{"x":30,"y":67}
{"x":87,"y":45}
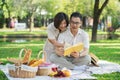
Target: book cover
{"x":75,"y":48}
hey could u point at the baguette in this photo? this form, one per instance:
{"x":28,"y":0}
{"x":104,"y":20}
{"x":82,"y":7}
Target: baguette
{"x":14,"y":60}
{"x":26,"y":56}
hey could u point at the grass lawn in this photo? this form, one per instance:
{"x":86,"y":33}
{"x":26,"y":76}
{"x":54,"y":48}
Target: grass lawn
{"x":105,"y":49}
{"x":14,"y":33}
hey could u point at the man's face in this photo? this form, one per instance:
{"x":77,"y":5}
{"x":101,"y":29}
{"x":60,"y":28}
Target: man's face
{"x":75,"y":23}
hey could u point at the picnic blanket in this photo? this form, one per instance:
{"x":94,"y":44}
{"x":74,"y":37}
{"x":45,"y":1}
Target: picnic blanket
{"x":84,"y":73}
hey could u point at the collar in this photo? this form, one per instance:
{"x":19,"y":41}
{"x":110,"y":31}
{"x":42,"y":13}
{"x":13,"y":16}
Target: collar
{"x":79,"y":31}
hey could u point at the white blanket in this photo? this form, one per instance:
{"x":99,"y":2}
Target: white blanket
{"x":84,"y":73}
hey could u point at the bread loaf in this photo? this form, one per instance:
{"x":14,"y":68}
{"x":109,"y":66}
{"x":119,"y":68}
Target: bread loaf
{"x":37,"y":63}
{"x":32,"y":61}
{"x":26,"y":56}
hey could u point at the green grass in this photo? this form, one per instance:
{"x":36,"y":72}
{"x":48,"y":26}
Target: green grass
{"x":102,"y":32}
{"x":8,"y":49}
{"x":112,"y":76}
{"x":105,"y":49}
{"x":22,"y":32}
{"x":3,"y":76}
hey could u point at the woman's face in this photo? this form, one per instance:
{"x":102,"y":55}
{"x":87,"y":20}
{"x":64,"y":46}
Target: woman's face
{"x":62,"y":26}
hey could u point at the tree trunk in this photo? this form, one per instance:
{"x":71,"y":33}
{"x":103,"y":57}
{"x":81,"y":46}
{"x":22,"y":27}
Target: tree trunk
{"x":97,"y":13}
{"x":95,"y":21}
{"x":31,"y":23}
{"x":94,"y":29}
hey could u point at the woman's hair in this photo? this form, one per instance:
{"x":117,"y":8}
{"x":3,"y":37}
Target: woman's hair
{"x":76,"y":14}
{"x":59,"y":17}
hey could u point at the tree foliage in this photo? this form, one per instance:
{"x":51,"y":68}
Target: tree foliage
{"x":113,"y":10}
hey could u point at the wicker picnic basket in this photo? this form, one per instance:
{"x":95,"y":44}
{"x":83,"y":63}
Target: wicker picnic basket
{"x":43,"y":69}
{"x":19,"y":69}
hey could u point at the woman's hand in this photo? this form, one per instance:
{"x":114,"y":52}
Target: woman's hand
{"x":59,"y":51}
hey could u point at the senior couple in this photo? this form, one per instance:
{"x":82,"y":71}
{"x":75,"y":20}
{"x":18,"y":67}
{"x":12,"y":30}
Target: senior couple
{"x":62,"y":31}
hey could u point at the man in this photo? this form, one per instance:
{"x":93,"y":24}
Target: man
{"x":72,"y":36}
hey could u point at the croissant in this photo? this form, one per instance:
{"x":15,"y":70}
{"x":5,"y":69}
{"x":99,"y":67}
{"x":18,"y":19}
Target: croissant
{"x":37,"y":63}
{"x":31,"y":62}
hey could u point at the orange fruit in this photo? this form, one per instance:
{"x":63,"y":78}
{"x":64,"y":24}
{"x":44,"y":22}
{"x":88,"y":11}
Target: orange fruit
{"x":67,"y":73}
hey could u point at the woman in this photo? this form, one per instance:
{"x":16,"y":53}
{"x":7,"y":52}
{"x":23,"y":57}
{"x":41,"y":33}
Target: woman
{"x":59,"y":25}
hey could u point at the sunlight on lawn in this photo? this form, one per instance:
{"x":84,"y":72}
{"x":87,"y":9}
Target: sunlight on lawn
{"x":116,"y":52}
{"x":109,"y":41}
{"x":20,"y":45}
{"x":10,"y":47}
{"x":104,"y":44}
{"x":111,"y":47}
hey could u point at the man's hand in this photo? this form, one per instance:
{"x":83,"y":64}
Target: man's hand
{"x":75,"y":54}
{"x":59,"y":51}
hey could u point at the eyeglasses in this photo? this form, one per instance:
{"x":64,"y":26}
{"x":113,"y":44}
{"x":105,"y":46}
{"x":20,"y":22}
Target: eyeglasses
{"x":77,"y":23}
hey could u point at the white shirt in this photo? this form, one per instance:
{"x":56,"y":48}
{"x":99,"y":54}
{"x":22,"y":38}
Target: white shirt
{"x":52,"y":31}
{"x":52,"y":34}
{"x":67,"y":37}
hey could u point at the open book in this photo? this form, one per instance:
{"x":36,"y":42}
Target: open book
{"x":72,"y":48}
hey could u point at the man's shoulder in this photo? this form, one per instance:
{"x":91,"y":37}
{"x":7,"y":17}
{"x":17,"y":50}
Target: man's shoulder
{"x":83,"y":32}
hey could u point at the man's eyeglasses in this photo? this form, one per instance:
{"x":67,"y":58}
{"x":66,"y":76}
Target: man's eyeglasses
{"x":77,"y":23}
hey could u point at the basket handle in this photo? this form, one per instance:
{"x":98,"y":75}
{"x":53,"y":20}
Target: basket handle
{"x":43,"y":55}
{"x":27,"y":55}
{"x":20,"y":54}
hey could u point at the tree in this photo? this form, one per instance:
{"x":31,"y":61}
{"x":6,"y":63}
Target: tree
{"x":30,"y":8}
{"x":96,"y":16}
{"x":4,"y":5}
{"x":113,"y":10}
